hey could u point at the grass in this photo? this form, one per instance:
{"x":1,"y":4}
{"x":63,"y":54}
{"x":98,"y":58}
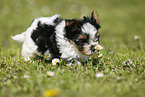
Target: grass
{"x":120,"y":20}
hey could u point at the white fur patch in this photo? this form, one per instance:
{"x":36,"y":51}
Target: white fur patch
{"x":89,"y":29}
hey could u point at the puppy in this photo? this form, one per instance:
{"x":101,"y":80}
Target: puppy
{"x":60,"y":38}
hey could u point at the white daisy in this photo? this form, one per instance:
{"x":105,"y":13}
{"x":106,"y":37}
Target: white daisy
{"x":136,"y":37}
{"x":98,"y":47}
{"x":98,"y":75}
{"x":55,"y":61}
{"x":26,"y":76}
{"x":50,"y":73}
{"x":100,"y":55}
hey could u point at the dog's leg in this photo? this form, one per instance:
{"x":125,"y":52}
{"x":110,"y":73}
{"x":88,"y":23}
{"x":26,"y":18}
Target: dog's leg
{"x":29,"y":49}
{"x":27,"y":55}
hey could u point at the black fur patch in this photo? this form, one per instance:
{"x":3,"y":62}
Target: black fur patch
{"x":72,"y":30}
{"x":44,"y":38}
{"x":75,"y":29}
{"x":91,"y":21}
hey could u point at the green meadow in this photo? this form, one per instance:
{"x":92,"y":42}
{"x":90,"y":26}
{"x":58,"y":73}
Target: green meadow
{"x":122,"y":65}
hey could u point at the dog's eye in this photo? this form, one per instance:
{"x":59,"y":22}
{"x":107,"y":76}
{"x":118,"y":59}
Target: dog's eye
{"x":80,"y":41}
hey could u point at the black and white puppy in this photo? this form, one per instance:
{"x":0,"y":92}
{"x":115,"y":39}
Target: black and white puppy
{"x":60,"y":38}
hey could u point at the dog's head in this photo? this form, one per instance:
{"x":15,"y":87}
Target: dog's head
{"x":83,"y":34}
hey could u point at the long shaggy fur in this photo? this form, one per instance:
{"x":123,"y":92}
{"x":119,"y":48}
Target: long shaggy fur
{"x":59,"y":38}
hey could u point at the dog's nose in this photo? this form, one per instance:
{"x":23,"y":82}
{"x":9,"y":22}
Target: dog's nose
{"x":93,"y":48}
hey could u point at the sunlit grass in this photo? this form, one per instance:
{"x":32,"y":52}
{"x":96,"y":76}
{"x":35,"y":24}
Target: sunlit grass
{"x":119,"y":72}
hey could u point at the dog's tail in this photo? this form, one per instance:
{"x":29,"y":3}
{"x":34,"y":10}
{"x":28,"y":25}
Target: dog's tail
{"x":19,"y":37}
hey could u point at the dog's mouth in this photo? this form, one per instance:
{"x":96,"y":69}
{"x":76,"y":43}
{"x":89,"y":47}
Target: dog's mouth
{"x":88,"y":49}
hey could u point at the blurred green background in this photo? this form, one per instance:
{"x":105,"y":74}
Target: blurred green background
{"x":120,"y":19}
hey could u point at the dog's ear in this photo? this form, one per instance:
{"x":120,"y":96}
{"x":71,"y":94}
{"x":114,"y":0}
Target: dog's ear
{"x":95,"y":16}
{"x":71,"y":23}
